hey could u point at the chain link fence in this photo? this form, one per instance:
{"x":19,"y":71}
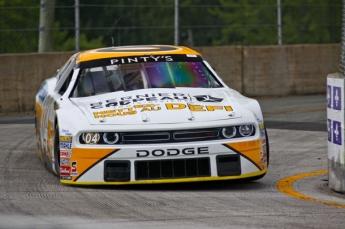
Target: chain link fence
{"x":201,"y":23}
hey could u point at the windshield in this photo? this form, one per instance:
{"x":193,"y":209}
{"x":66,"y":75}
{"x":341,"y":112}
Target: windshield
{"x":127,"y":77}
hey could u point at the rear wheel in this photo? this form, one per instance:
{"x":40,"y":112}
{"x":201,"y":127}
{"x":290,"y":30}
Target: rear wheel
{"x":57,"y":151}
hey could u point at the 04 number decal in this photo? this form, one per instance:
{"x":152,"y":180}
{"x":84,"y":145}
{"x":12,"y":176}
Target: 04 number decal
{"x":91,"y":138}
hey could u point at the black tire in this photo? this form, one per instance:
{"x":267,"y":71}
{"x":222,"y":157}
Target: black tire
{"x":57,"y":150}
{"x":267,"y":148}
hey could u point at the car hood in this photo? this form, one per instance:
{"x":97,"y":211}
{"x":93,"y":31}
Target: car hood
{"x":160,"y":106}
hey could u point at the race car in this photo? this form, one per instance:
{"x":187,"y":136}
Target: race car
{"x":147,"y":114}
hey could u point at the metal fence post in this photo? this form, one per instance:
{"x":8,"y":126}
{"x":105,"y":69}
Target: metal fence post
{"x":279,"y":12}
{"x":342,"y":55}
{"x":77,"y":26}
{"x":176,"y":22}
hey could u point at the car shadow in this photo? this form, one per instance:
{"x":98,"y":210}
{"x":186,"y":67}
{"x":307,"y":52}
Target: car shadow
{"x":228,"y":185}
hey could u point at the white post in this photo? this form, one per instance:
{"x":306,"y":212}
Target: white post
{"x":279,"y":13}
{"x":176,"y":22}
{"x":335,"y":127}
{"x":77,"y":26}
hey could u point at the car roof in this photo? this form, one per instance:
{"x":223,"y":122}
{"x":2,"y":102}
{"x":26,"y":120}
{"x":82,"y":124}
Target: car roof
{"x":135,"y":50}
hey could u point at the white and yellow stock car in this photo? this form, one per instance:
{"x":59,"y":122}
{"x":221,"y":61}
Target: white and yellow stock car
{"x":147,"y":114}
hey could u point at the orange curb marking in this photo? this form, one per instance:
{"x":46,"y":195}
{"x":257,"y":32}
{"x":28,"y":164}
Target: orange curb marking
{"x":285,"y":186}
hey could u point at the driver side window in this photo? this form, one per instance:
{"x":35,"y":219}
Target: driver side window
{"x":65,"y":84}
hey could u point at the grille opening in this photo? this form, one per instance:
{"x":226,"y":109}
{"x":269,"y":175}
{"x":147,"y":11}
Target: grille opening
{"x":228,"y":165}
{"x":117,"y":170}
{"x":179,"y":168}
{"x":197,"y":135}
{"x":141,"y":170}
{"x":165,"y":169}
{"x":204,"y":167}
{"x":192,"y":168}
{"x":144,"y":137}
{"x":227,"y":159}
{"x":154,"y":169}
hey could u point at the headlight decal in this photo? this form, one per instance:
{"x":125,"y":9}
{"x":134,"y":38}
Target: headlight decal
{"x":90,"y":138}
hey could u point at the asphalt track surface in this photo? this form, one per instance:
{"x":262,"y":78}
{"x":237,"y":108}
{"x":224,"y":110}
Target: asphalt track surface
{"x":289,"y":196}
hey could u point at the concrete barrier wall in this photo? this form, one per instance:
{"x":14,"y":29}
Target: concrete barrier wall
{"x":252,"y":70}
{"x":288,"y":70}
{"x":22,"y":75}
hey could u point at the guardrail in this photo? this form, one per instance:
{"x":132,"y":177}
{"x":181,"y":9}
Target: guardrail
{"x":252,"y":70}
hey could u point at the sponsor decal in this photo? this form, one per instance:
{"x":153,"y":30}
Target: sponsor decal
{"x":65,"y":154}
{"x":66,"y":132}
{"x":141,"y":59}
{"x":329,"y":129}
{"x":66,"y":138}
{"x":64,"y":162}
{"x":329,"y":96}
{"x":261,"y":122}
{"x":337,"y":138}
{"x":156,"y":107}
{"x":172,"y":152}
{"x":263,"y":140}
{"x":207,"y":98}
{"x":65,"y":177}
{"x":263,"y":137}
{"x":138,"y":59}
{"x":129,"y":101}
{"x":65,"y":145}
{"x":261,"y":126}
{"x":336,"y":98}
{"x":147,"y":98}
{"x":65,"y":170}
{"x":74,"y":171}
{"x":263,"y":158}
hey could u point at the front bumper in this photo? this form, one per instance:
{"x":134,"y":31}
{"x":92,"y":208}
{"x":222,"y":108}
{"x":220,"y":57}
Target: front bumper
{"x":163,"y":163}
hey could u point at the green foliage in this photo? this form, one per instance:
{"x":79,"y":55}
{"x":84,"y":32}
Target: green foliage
{"x":63,"y":42}
{"x":18,"y":26}
{"x":255,"y":22}
{"x":201,"y":23}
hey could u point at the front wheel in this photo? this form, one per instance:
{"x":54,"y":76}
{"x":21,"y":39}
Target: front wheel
{"x":57,"y":151}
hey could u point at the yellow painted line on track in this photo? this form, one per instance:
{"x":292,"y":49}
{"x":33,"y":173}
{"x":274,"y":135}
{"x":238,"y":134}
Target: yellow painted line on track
{"x":295,"y":111}
{"x":285,"y":186}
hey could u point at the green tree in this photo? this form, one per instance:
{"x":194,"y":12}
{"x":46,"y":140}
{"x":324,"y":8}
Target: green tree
{"x":198,"y":26}
{"x":255,"y":22}
{"x":314,"y":21}
{"x":248,"y":22}
{"x":19,"y":22}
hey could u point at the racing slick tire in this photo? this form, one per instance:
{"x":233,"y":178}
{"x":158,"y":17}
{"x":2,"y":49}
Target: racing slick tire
{"x":57,"y":151}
